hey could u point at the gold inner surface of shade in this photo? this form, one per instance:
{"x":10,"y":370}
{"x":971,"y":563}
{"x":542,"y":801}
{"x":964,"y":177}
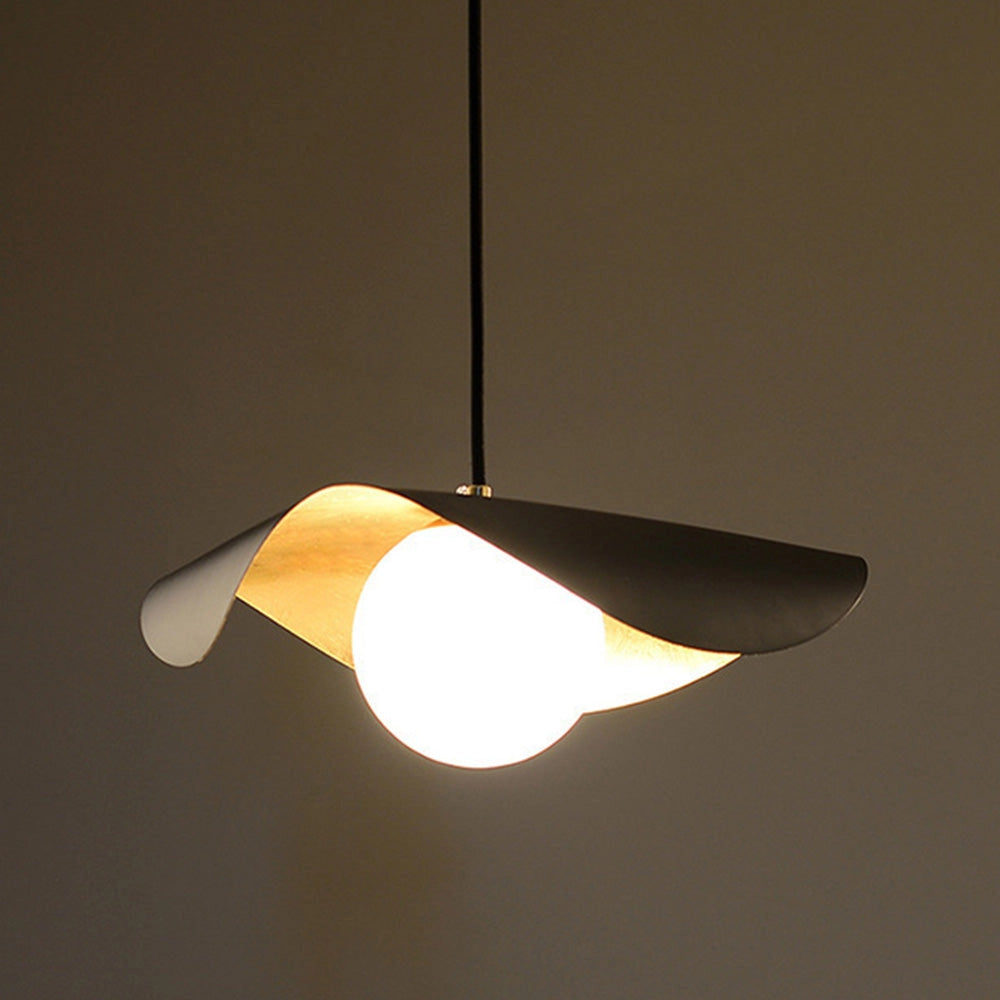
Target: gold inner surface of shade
{"x":639,"y":666}
{"x":309,"y":573}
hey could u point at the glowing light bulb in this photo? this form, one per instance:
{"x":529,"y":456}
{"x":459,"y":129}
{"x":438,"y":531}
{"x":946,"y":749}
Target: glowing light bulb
{"x":469,"y":656}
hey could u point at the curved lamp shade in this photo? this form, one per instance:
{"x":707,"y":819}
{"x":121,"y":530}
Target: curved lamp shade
{"x":672,"y":603}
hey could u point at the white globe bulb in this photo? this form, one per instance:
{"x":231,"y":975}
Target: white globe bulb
{"x":469,"y":656}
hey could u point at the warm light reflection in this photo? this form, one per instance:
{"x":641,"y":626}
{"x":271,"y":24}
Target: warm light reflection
{"x":309,"y":573}
{"x":638,"y":667}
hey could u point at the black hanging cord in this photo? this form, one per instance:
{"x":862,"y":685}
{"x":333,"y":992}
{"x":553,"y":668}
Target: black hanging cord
{"x":476,"y":238}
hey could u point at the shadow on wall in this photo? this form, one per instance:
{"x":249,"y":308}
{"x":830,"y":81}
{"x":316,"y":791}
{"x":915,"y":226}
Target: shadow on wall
{"x":365,"y":866}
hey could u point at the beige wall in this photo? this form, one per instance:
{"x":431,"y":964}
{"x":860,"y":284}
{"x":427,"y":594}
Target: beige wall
{"x":742,"y":270}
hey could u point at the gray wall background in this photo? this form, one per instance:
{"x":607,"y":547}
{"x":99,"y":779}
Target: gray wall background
{"x":742,"y":269}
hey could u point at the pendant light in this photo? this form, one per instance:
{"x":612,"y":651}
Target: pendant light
{"x":482,"y":628}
